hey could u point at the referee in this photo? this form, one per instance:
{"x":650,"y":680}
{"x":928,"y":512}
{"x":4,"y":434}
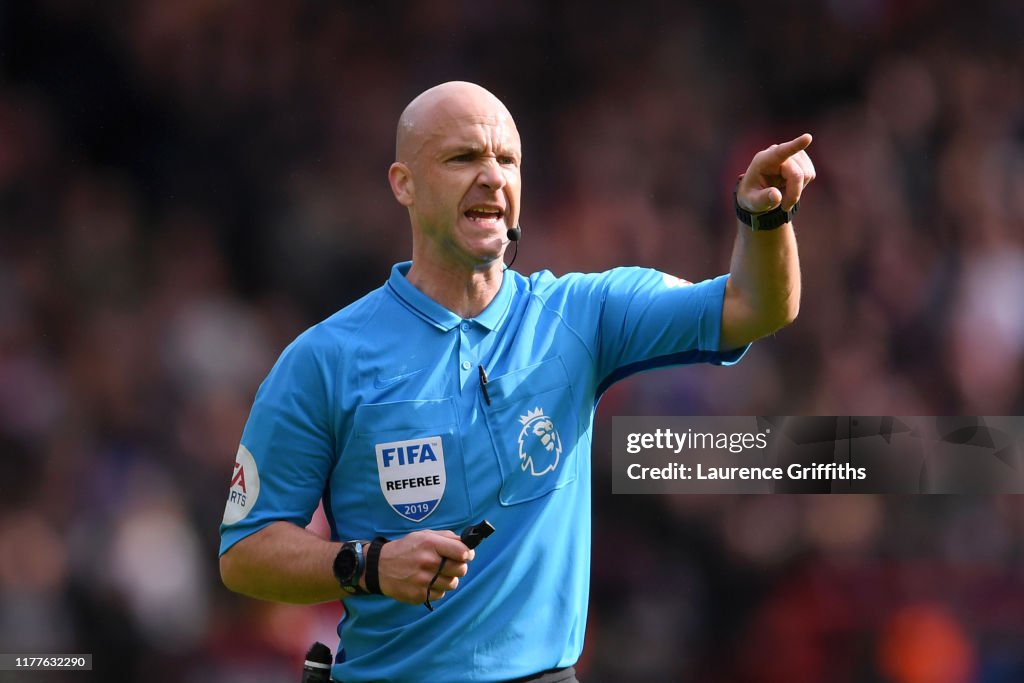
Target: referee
{"x":461,"y":391}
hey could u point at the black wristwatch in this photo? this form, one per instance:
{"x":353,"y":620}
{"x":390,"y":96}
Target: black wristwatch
{"x":769,"y":220}
{"x":349,"y":564}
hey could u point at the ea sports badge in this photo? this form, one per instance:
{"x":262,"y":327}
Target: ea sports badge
{"x":412,"y":475}
{"x":245,"y":487}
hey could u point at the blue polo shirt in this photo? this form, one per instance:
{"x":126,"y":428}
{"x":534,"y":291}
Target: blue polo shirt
{"x":379,"y":411}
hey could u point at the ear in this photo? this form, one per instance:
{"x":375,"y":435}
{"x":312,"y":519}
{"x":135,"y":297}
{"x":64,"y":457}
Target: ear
{"x":400,"y":179}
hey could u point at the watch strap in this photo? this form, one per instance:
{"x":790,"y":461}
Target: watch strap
{"x":372,"y":565}
{"x":769,"y":220}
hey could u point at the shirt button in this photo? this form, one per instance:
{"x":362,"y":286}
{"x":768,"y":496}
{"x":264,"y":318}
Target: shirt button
{"x":466,"y":365}
{"x":465,"y":327}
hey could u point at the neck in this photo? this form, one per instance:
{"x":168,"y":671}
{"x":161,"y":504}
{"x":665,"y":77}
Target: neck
{"x":463,"y":292}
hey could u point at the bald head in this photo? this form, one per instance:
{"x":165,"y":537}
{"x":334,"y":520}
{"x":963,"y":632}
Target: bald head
{"x":457,"y":171}
{"x":442,"y":105}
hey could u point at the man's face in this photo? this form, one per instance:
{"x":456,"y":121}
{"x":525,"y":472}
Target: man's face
{"x":465,"y":170}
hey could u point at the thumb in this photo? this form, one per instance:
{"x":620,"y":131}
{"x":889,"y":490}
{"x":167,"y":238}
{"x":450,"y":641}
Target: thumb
{"x":765,"y":199}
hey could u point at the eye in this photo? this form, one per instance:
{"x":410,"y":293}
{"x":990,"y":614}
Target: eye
{"x":507,"y":160}
{"x":463,"y":157}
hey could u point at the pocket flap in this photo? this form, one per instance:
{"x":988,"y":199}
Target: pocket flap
{"x":546,"y":375}
{"x":386,"y":417}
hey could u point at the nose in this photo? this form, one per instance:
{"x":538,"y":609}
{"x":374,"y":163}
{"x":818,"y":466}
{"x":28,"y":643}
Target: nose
{"x":491,"y":174}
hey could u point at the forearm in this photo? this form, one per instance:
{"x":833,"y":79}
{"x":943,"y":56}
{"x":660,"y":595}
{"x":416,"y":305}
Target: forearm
{"x":763,"y":290}
{"x":284,"y":563}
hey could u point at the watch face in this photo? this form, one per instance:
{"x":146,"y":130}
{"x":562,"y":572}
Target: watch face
{"x":345,"y":565}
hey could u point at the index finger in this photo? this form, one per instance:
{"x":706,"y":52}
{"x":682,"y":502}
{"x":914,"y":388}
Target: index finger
{"x":780,"y":153}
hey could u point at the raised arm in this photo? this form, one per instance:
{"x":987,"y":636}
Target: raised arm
{"x":763,"y":291}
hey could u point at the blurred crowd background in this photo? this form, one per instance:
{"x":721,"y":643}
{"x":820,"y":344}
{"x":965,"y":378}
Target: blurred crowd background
{"x":185,"y":186}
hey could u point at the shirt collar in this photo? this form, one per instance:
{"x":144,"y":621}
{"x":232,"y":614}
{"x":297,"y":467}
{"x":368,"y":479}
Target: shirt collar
{"x":438,"y":315}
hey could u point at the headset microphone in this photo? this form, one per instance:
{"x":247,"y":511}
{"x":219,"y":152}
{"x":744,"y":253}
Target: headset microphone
{"x":514,"y":234}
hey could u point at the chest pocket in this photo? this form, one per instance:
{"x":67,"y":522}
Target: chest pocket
{"x":406,"y":459}
{"x":533,"y":424}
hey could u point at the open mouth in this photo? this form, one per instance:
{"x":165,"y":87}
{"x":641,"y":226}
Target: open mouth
{"x":485,"y":214}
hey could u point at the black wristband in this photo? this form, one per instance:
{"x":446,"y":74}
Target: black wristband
{"x":769,"y":220}
{"x":760,"y":222}
{"x":372,"y":560}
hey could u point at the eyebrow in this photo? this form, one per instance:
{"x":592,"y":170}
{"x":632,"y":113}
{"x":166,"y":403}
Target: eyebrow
{"x":473,"y":148}
{"x":463,"y":148}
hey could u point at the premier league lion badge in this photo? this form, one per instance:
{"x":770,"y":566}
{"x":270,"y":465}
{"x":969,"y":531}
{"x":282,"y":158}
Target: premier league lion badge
{"x":539,"y":444}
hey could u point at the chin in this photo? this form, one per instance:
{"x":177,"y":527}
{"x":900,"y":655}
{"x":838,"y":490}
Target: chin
{"x":488,"y":259}
{"x":488,"y":250}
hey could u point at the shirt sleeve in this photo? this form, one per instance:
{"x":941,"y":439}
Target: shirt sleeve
{"x":639,"y":319}
{"x":286,"y":454}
